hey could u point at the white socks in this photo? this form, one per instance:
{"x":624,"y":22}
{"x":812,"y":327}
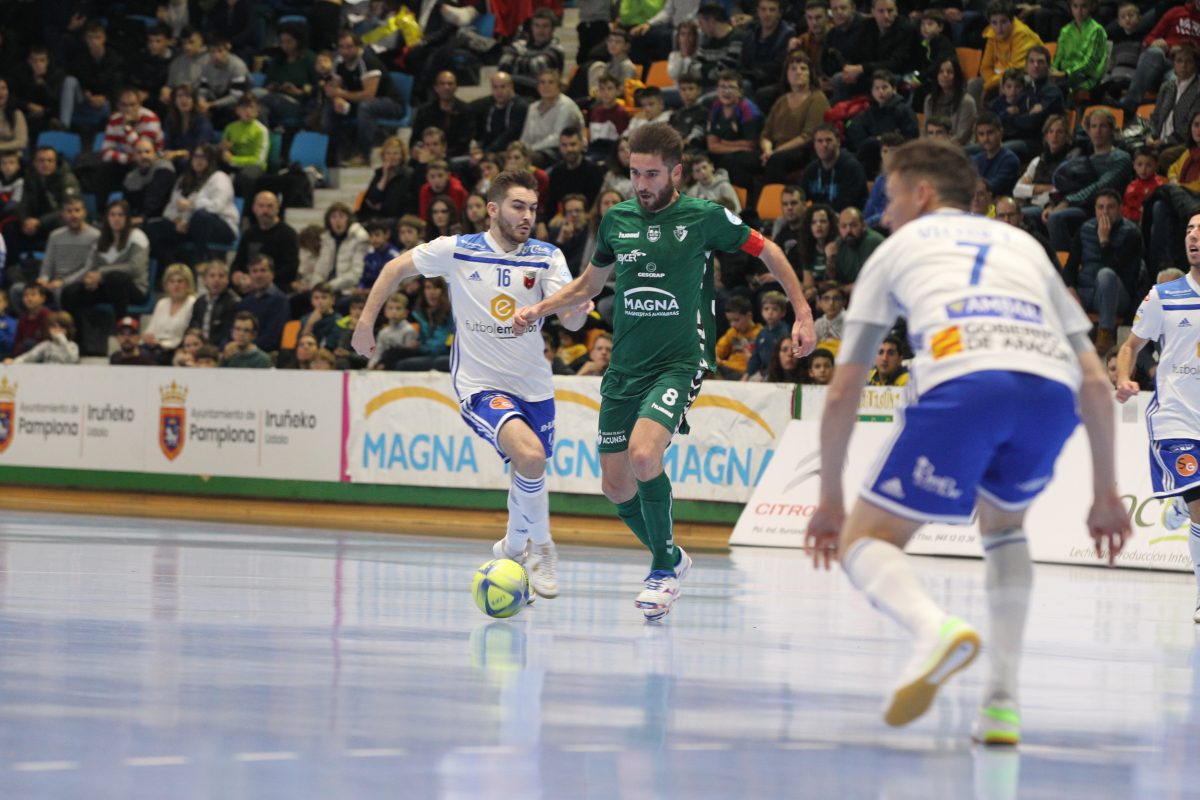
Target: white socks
{"x":1009,"y":579}
{"x":880,"y":570}
{"x":528,"y":512}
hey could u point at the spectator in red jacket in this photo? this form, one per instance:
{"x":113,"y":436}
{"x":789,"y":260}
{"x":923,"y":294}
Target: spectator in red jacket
{"x":439,"y":180}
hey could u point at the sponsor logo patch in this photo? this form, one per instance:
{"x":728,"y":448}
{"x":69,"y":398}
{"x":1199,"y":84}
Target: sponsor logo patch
{"x":500,"y":403}
{"x":681,"y":232}
{"x":530,"y":278}
{"x":631,"y":257}
{"x":503,"y":307}
{"x":653,"y":234}
{"x":474,"y":277}
{"x":1185,"y":465}
{"x":946,"y":342}
{"x":647,"y":301}
{"x":630,"y":235}
{"x":995,"y":306}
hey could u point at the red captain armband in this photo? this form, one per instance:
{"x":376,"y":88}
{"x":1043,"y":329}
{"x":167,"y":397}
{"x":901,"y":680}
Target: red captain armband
{"x":754,"y":244}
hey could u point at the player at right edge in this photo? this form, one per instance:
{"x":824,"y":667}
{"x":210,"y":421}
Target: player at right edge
{"x":1003,"y":371}
{"x":1173,"y":416}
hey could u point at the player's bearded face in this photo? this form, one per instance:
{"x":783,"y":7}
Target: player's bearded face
{"x":514,"y":217}
{"x":652,"y":181}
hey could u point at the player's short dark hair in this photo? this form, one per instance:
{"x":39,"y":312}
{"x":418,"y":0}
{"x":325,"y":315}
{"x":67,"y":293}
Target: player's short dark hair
{"x":738,"y":305}
{"x":510,"y":179}
{"x":1108,"y":191}
{"x":657,"y":138}
{"x":942,"y":164}
{"x":247,"y":316}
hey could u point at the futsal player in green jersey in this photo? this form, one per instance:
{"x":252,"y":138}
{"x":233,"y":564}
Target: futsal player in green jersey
{"x":661,"y":245}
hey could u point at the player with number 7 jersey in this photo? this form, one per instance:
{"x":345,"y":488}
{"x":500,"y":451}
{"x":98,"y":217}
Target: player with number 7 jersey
{"x":661,"y":245}
{"x":1003,"y":372}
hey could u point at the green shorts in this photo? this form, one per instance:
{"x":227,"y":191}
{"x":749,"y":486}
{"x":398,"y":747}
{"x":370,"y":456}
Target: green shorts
{"x":664,"y":397}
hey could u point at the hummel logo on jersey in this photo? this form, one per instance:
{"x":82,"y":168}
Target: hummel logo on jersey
{"x":632,"y":235}
{"x":893,"y":487}
{"x":474,"y":277}
{"x":1183,"y":323}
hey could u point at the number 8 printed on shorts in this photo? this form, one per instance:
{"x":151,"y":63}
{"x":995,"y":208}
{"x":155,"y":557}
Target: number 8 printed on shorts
{"x":669,"y":397}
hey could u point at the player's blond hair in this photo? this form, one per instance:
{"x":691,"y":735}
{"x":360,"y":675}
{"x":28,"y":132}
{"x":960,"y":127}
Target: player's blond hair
{"x":941,"y":164}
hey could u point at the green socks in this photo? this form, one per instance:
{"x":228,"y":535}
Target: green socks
{"x":658,"y":531}
{"x":630,"y":513}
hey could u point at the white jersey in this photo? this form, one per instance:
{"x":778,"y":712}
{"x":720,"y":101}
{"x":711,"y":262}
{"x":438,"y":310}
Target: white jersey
{"x":978,"y":295}
{"x":1170,"y":316}
{"x":486,"y":286}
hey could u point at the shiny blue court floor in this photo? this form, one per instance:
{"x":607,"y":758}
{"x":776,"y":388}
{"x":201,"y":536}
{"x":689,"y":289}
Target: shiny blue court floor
{"x":165,"y":659}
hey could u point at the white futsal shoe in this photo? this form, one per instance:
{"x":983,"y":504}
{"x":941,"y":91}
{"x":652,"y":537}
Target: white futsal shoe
{"x":934,"y":661}
{"x":662,"y":589}
{"x":1196,"y":616}
{"x":499,"y":550}
{"x":543,"y":569}
{"x":998,"y":723}
{"x":1177,"y":514}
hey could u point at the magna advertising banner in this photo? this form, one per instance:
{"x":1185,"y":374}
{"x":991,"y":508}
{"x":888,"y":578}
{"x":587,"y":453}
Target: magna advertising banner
{"x":778,"y":512}
{"x":408,"y":430}
{"x":256,"y":423}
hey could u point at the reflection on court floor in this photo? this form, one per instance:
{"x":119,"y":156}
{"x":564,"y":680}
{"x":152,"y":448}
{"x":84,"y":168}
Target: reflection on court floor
{"x":144,"y":659}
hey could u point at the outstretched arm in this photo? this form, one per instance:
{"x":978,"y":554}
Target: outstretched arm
{"x":804,"y":334}
{"x":570,"y":297}
{"x":396,"y":270}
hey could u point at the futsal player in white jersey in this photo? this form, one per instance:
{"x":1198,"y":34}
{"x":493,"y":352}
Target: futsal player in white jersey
{"x":1173,"y":416}
{"x":1002,"y":364}
{"x":503,"y":382}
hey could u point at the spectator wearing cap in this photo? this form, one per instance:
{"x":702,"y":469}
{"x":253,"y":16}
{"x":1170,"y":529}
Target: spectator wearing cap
{"x":242,"y":352}
{"x":213,"y":312}
{"x":130,"y":343}
{"x":720,"y":44}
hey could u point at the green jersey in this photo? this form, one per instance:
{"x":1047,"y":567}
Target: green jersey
{"x":664,"y":314}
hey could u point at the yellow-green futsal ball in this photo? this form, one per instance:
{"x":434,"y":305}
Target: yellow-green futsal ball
{"x":500,"y":588}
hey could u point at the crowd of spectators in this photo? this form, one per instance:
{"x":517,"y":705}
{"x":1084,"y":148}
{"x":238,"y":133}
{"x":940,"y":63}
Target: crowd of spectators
{"x":1082,"y":118}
